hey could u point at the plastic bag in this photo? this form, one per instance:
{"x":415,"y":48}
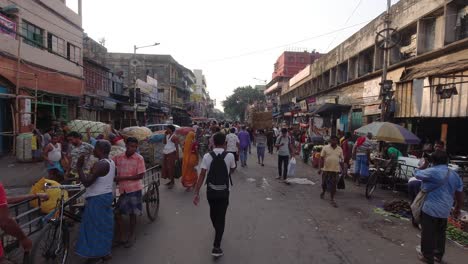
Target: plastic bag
{"x":292,"y":167}
{"x":341,"y":183}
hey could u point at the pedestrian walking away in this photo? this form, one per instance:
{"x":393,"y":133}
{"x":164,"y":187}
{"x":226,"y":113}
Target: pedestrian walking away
{"x":441,"y":185}
{"x":190,"y":161}
{"x":233,"y":144}
{"x":261,"y":141}
{"x":270,"y":141}
{"x":361,"y":157}
{"x":130,"y":172}
{"x":170,"y":155}
{"x":218,"y":166}
{"x":244,"y":139}
{"x":284,"y":146}
{"x":330,"y":159}
{"x":97,"y":223}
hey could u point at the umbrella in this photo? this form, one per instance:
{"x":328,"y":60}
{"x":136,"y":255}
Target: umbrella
{"x":389,"y":132}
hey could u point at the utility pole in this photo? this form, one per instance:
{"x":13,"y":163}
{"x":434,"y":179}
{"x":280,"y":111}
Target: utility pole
{"x":386,"y":85}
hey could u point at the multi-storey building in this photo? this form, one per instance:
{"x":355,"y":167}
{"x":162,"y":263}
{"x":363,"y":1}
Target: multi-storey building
{"x":174,"y":81}
{"x":428,"y":68}
{"x":200,"y":102}
{"x":103,"y":98}
{"x":287,"y":65}
{"x":41,"y":65}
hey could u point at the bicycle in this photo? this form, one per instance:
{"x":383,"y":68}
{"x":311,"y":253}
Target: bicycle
{"x":53,"y":241}
{"x":382,"y":173}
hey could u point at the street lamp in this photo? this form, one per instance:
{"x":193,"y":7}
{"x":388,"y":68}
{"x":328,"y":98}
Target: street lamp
{"x":135,"y":105}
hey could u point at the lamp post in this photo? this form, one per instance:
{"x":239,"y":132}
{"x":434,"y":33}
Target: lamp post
{"x":135,"y":105}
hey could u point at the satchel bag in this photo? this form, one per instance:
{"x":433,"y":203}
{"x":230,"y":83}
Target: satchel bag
{"x":417,"y":205}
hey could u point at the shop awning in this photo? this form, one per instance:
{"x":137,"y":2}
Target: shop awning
{"x":330,"y":109}
{"x":420,"y":72}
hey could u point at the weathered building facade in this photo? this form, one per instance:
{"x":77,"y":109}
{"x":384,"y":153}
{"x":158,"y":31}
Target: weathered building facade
{"x":41,"y":65}
{"x":174,"y":83}
{"x":429,"y":60}
{"x":288,"y":64}
{"x":200,"y":103}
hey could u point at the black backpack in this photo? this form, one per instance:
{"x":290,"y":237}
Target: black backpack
{"x":219,"y":178}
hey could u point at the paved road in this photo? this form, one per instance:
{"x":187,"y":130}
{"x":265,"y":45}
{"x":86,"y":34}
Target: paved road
{"x":270,"y":222}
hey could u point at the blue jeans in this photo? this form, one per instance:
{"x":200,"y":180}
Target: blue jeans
{"x":361,"y":166}
{"x":243,"y":155}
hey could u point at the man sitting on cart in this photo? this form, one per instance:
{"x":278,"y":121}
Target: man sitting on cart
{"x":130,"y":171}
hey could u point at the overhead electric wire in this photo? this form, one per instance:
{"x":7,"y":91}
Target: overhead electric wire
{"x":288,"y":44}
{"x":346,"y":22}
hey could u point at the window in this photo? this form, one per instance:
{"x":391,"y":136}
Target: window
{"x":301,"y":60}
{"x":290,"y":59}
{"x":56,"y":45}
{"x":73,"y":53}
{"x":33,"y":35}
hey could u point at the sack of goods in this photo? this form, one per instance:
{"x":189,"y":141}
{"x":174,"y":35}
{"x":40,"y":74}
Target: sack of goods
{"x":116,"y":150}
{"x":24,"y":147}
{"x":96,"y":128}
{"x":54,"y":195}
{"x":140,"y":133}
{"x":147,"y":150}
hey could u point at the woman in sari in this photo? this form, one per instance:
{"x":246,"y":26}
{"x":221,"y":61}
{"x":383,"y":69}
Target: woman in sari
{"x":190,"y":161}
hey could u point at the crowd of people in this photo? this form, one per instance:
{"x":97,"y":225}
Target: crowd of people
{"x":69,"y":158}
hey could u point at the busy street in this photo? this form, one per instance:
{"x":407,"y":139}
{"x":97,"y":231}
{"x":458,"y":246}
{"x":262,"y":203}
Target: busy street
{"x":194,"y":132}
{"x":270,"y":222}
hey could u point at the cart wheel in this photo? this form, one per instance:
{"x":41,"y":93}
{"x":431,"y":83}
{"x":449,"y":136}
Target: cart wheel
{"x":152,"y":202}
{"x":371,"y":184}
{"x":48,"y":248}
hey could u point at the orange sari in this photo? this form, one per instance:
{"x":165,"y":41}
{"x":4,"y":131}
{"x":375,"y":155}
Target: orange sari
{"x":190,"y":161}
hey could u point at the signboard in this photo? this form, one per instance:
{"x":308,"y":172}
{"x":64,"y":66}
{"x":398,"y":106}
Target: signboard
{"x":128,"y":108}
{"x":110,"y":105}
{"x":7,"y":27}
{"x":26,"y":118}
{"x":372,"y":110}
{"x":303,"y":105}
{"x":311,"y":102}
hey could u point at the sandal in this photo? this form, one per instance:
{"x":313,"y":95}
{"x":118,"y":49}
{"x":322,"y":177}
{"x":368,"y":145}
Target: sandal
{"x":334,"y":204}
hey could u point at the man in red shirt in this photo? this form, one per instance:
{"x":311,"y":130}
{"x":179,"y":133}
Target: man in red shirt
{"x":130,"y":171}
{"x":9,"y":225}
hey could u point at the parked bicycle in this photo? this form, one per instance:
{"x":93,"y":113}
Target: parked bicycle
{"x":383,"y":174}
{"x":53,"y":241}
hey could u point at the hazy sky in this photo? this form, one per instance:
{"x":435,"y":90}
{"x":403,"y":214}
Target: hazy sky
{"x":233,"y":42}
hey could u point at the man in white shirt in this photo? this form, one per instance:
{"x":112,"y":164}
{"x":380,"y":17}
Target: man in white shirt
{"x":218,"y":179}
{"x":232,"y":144}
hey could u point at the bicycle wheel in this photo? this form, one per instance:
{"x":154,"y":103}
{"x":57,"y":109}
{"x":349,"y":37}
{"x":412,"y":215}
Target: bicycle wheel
{"x":48,"y":248}
{"x":152,"y":201}
{"x":372,"y":184}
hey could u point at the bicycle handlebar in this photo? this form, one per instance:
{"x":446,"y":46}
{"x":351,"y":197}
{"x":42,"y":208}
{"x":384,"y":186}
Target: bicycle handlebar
{"x":47,"y":186}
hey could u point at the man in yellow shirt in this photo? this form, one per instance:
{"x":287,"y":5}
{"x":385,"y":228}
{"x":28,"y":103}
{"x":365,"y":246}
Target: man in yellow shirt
{"x":331,"y":156}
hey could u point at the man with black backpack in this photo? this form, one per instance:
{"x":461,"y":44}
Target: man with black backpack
{"x":218,"y":165}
